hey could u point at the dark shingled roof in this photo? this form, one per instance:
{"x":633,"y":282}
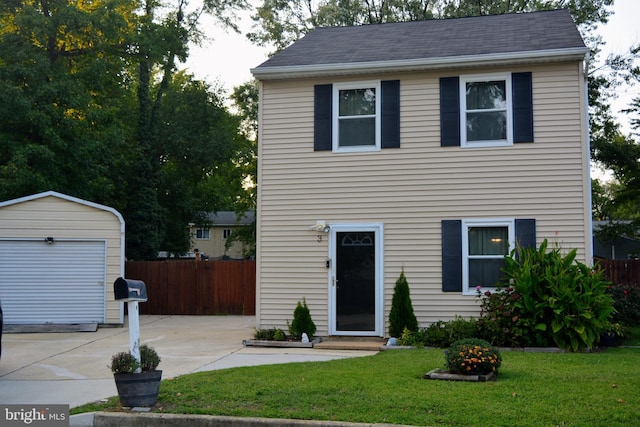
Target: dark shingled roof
{"x":222,"y":218}
{"x":438,"y":38}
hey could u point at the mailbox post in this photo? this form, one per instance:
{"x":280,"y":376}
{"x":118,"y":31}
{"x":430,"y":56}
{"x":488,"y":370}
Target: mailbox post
{"x":132,"y":292}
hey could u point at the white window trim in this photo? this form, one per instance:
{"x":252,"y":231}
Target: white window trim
{"x":202,"y":238}
{"x":464,"y":79}
{"x":510,"y":223}
{"x":337,"y":87}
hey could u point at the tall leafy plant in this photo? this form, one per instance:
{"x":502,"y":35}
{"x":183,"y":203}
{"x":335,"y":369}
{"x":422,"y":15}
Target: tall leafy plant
{"x":560,"y":300}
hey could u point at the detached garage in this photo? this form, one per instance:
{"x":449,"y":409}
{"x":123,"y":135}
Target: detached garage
{"x":59,"y":256}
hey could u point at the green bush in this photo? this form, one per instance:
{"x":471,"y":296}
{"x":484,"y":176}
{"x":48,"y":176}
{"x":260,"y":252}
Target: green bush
{"x":442,"y":334}
{"x":272,"y":334}
{"x":500,"y":322}
{"x":558,"y":299}
{"x":279,"y":335}
{"x":413,"y":338}
{"x":302,"y":322}
{"x":472,"y":357}
{"x":401,"y":315}
{"x":626,"y":301}
{"x":125,"y":363}
{"x":149,"y":359}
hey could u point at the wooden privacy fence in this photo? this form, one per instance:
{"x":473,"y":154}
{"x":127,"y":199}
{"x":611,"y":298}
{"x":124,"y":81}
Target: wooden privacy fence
{"x":621,"y":271}
{"x":196,"y":287}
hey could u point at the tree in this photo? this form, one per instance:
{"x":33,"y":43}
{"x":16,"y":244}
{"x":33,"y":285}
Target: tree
{"x":91,"y":105}
{"x":198,"y":143}
{"x":163,"y":39}
{"x":60,"y":125}
{"x":401,"y":316}
{"x":619,"y":199}
{"x":245,"y":98}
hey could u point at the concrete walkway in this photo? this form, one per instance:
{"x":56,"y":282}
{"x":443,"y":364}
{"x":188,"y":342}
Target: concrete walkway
{"x":72,"y":368}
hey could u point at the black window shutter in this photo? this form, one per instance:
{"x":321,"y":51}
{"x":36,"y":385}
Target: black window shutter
{"x":390,"y":127}
{"x":526,"y":233}
{"x":449,"y":111}
{"x":522,"y":89}
{"x":452,"y":255}
{"x":322,"y":134}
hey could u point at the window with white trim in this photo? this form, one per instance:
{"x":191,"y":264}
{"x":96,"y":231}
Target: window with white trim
{"x":203,"y":234}
{"x":486,"y":110}
{"x":484,"y":246}
{"x":356,"y":116}
{"x":226,"y":233}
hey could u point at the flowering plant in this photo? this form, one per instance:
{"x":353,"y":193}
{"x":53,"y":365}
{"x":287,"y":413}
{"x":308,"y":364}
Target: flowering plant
{"x":500,"y":319}
{"x":472,"y":356}
{"x":626,"y":301}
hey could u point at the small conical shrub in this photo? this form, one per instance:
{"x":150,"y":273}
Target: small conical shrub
{"x":401,"y":315}
{"x":302,"y":322}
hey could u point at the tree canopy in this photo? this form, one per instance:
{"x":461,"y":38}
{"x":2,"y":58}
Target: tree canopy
{"x":92,"y":105}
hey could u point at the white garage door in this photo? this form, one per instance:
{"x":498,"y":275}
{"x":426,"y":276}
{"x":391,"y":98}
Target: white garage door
{"x":62,"y":282}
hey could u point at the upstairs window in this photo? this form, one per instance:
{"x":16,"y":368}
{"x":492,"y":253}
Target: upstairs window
{"x":356,"y":117}
{"x":203,"y":234}
{"x":488,"y":110}
{"x":226,"y":233}
{"x":485,"y":111}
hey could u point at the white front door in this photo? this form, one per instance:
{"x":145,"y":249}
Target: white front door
{"x":356,"y":303}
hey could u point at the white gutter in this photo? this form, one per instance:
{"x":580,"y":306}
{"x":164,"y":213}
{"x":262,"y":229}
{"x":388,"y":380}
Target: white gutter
{"x":318,"y":70}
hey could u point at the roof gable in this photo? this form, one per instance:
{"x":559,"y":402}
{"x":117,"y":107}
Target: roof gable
{"x":428,"y":43}
{"x":67,"y":198}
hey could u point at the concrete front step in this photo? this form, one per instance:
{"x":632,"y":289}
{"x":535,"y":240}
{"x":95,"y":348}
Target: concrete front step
{"x":348,"y":344}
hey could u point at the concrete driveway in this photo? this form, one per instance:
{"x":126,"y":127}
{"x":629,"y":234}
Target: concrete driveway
{"x":72,"y":368}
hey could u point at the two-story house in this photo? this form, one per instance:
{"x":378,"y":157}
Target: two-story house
{"x":211,"y":240}
{"x":434,"y":146}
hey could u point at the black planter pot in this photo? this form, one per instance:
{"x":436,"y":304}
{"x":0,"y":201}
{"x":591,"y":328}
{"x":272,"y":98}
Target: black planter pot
{"x":138,"y":389}
{"x":609,"y":340}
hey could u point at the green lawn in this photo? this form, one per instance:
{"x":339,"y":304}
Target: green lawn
{"x":533,"y":389}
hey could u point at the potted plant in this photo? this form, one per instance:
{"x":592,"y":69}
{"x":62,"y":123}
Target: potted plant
{"x":610,"y":334}
{"x":138,"y":383}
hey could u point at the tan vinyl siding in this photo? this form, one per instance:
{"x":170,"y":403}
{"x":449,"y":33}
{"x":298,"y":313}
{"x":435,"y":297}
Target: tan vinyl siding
{"x":63,"y":219}
{"x":410,"y":190}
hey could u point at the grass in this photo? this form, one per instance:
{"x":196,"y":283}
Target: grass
{"x":533,"y":389}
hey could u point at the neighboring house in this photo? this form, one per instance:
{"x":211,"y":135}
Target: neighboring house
{"x":431,"y":146}
{"x":59,"y":257}
{"x":210,"y":241}
{"x":621,"y":248}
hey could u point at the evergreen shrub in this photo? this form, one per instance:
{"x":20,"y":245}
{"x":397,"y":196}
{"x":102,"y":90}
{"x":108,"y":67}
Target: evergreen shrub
{"x":302,"y":322}
{"x":401,"y":315}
